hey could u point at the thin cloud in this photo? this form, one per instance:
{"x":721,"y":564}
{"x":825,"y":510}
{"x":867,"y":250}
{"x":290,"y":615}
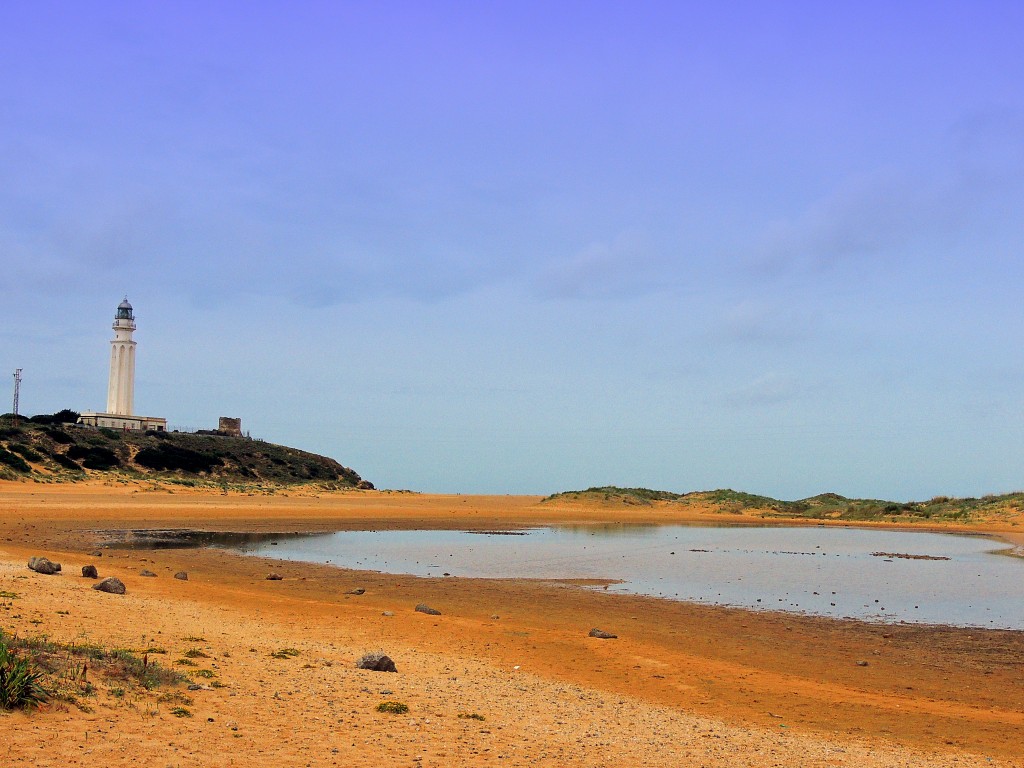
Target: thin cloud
{"x":772,"y":388}
{"x":880,"y":214}
{"x":865,"y":218}
{"x":624,"y":266}
{"x":760,"y":323}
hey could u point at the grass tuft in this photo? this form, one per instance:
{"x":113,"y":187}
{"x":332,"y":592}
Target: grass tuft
{"x":65,"y":668}
{"x":21,"y":681}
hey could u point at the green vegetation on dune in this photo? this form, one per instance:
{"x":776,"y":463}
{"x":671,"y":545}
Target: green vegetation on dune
{"x":825,"y":506}
{"x":732,"y":501}
{"x":12,"y":461}
{"x":46,"y":448}
{"x":642,"y":496}
{"x":727,"y":498}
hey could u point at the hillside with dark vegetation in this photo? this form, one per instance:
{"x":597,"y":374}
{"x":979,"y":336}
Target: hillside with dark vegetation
{"x":825,"y":506}
{"x":53,"y":447}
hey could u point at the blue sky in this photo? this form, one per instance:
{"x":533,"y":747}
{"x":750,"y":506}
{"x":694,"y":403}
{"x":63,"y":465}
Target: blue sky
{"x":532,"y":246}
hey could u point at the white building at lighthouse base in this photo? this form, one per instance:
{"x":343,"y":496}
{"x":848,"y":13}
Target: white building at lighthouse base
{"x":122,"y":422}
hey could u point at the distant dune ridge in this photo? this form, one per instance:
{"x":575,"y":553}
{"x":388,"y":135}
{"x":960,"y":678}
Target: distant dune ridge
{"x":825,"y":506}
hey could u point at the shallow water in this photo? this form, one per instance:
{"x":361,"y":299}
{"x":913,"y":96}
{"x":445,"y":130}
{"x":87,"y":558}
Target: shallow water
{"x":824,"y":571}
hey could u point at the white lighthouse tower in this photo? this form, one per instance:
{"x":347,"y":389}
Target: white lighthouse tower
{"x":121,"y":389}
{"x":120,"y":413}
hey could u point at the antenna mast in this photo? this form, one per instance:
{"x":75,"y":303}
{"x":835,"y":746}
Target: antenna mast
{"x":17,"y":391}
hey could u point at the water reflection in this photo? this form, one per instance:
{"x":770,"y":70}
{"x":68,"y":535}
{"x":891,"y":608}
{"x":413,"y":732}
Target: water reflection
{"x":184,"y":538}
{"x":842,"y":572}
{"x":609,"y":529}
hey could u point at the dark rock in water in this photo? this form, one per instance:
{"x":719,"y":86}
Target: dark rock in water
{"x":274,"y":577}
{"x":364,"y":485}
{"x":356,"y":591}
{"x":595,"y":632}
{"x":424,"y":608}
{"x":43,"y":565}
{"x":145,"y":572}
{"x":90,"y":572}
{"x":181,"y":576}
{"x":377,"y":661}
{"x":112,"y":585}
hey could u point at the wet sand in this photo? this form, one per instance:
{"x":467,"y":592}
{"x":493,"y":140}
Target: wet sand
{"x":682,"y":684}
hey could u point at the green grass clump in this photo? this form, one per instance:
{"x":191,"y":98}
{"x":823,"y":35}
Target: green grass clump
{"x":25,"y":451}
{"x":59,"y":436}
{"x":181,"y":712}
{"x":285,"y":653}
{"x":195,"y":653}
{"x":61,"y":460}
{"x":14,"y":461}
{"x":471,"y":716}
{"x":164,"y":456}
{"x":21,"y":682}
{"x":393,"y":707}
{"x":94,"y":456}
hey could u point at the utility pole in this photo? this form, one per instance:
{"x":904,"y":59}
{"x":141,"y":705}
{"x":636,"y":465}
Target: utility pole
{"x":17,"y":391}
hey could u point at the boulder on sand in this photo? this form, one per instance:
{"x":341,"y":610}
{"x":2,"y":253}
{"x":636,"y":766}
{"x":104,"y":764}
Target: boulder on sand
{"x":601,"y":634}
{"x":424,"y":608}
{"x":43,"y":565}
{"x":181,"y":576}
{"x":377,"y":661}
{"x":90,"y":572}
{"x":110,"y":584}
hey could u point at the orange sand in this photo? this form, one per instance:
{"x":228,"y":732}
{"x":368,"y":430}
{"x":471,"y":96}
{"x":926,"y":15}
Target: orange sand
{"x":683,"y":684}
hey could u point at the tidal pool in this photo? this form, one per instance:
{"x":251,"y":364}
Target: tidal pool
{"x":866,"y":574}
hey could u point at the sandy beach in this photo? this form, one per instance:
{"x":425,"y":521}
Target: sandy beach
{"x":682,"y":685}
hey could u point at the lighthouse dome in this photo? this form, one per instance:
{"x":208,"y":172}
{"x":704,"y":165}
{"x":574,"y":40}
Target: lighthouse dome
{"x":124,"y":310}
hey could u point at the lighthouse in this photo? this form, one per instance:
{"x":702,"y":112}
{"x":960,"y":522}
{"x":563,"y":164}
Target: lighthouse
{"x":121,"y":388}
{"x":120,"y":413}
